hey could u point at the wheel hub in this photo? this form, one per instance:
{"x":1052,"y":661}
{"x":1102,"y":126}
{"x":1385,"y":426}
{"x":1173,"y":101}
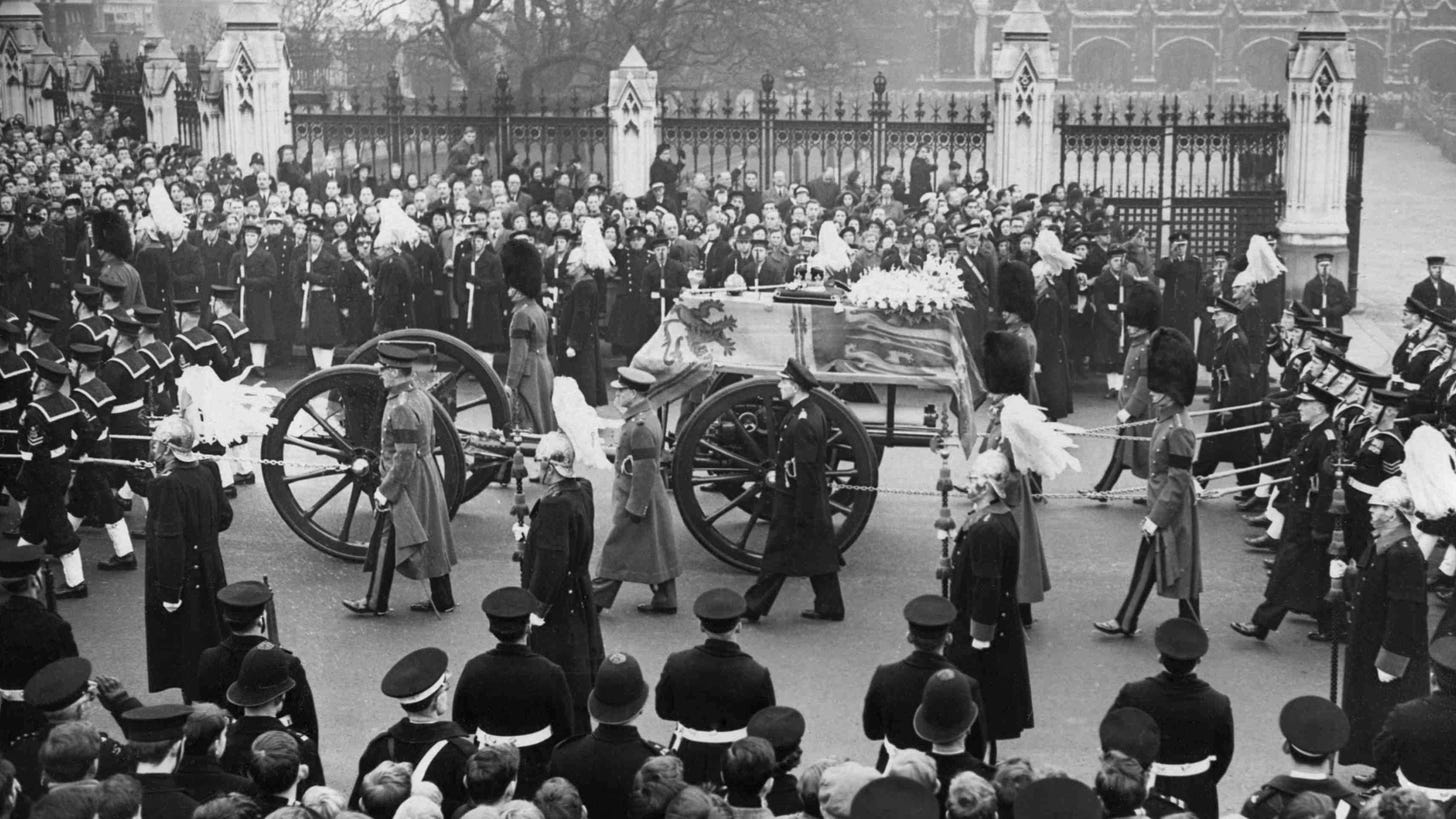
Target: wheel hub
{"x":364,"y":466}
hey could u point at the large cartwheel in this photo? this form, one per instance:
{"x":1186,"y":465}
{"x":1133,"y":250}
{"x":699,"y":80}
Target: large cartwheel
{"x":726,"y":448}
{"x":327,"y":437}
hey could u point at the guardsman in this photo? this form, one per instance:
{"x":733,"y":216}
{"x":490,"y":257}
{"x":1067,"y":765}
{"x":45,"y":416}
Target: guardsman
{"x":1233,"y":371}
{"x":47,"y":438}
{"x":1300,"y":575}
{"x":264,"y":681}
{"x":512,"y":695}
{"x":91,"y":494}
{"x":162,"y":364}
{"x":62,"y":692}
{"x":129,"y":376}
{"x":245,"y":612}
{"x":91,"y":326}
{"x":1434,"y":291}
{"x":1314,"y":730}
{"x":31,"y":635}
{"x":895,"y":688}
{"x":602,"y":764}
{"x":38,"y":344}
{"x":436,"y":747}
{"x":1133,"y":732}
{"x":712,"y":690}
{"x":641,"y":546}
{"x":1195,"y":721}
{"x":1140,"y":307}
{"x":1378,"y":454}
{"x":15,"y":378}
{"x":155,"y":736}
{"x":1416,"y":748}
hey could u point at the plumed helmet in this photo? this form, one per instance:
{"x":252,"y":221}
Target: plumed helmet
{"x":1143,"y":307}
{"x":1017,"y":290}
{"x":1394,"y":492}
{"x":521,"y":263}
{"x":1008,"y":364}
{"x":111,"y":233}
{"x":992,"y":467}
{"x":177,"y":436}
{"x":555,"y":449}
{"x":1172,"y":365}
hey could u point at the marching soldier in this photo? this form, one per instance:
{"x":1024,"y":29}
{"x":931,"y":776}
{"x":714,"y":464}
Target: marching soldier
{"x":511,"y":694}
{"x":1314,"y":730}
{"x":161,"y":399}
{"x":712,"y":690}
{"x":32,"y":635}
{"x":1416,"y":748}
{"x":62,"y":692}
{"x":48,"y":435}
{"x":1233,"y":386}
{"x":91,"y":493}
{"x":15,"y":378}
{"x":38,"y":343}
{"x":91,"y":326}
{"x":641,"y":546}
{"x":128,"y":375}
{"x":1139,"y":311}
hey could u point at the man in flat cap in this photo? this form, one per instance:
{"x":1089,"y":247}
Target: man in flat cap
{"x":1417,"y":746}
{"x":801,"y":530}
{"x":62,"y":692}
{"x":154,"y":739}
{"x":1195,"y":721}
{"x":1314,"y":730}
{"x":513,"y":695}
{"x":641,"y":546}
{"x":712,"y":690}
{"x":436,"y":747}
{"x":246,"y":614}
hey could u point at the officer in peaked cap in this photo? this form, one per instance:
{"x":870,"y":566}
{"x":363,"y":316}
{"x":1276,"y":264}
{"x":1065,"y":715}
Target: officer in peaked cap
{"x":420,"y":683}
{"x":1195,"y":720}
{"x":896,"y":688}
{"x":62,"y":692}
{"x":1417,"y":746}
{"x":712,"y":690}
{"x":1314,"y":730}
{"x":1234,"y":368}
{"x":244,"y":607}
{"x":154,"y":736}
{"x":263,"y":683}
{"x":513,"y":695}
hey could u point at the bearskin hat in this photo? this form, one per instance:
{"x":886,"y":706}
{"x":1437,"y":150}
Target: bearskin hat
{"x":1017,"y":290}
{"x":1172,"y":365}
{"x":111,"y":233}
{"x":1143,"y":307}
{"x":521,"y":263}
{"x":1008,"y":364}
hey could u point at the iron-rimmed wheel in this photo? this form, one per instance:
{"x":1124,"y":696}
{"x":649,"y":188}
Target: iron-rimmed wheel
{"x":726,"y":449}
{"x":470,"y":390}
{"x":327,"y":431}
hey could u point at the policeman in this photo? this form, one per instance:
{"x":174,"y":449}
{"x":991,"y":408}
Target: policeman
{"x":436,"y":747}
{"x":31,"y":637}
{"x":1314,"y":729}
{"x":895,"y":688}
{"x":513,"y":695}
{"x":1133,"y":732}
{"x":91,"y":495}
{"x":91,"y":326}
{"x":129,"y":376}
{"x":712,"y":690}
{"x":62,"y":692}
{"x":603,"y":763}
{"x":1417,"y":746}
{"x":48,"y":435}
{"x":264,"y":681}
{"x":244,"y":606}
{"x":1195,"y":721}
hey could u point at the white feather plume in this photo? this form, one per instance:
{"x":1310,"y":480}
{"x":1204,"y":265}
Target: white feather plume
{"x":1049,"y":248}
{"x":1264,"y":265}
{"x":1430,"y":472}
{"x":223,"y":411}
{"x":594,"y":252}
{"x":579,"y":422}
{"x":1037,"y":444}
{"x":1246,"y":278}
{"x":833,"y":255}
{"x":169,"y":222}
{"x":395,"y":228}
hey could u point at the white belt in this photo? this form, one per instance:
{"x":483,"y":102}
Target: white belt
{"x":1436,"y":794}
{"x":708,"y":737}
{"x":55,"y":453}
{"x":318,"y":288}
{"x":520,"y":741}
{"x":9,"y":405}
{"x":1185,"y":769}
{"x":127,"y":407}
{"x":1409,"y":385}
{"x":12,"y":694}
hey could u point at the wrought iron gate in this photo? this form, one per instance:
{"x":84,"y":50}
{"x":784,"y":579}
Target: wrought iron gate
{"x":119,"y":86}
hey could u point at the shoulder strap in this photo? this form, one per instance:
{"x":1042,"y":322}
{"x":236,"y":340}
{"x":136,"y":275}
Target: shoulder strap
{"x":423,"y":766}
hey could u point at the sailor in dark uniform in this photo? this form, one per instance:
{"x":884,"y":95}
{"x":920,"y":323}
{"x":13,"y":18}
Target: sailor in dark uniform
{"x":91,"y":326}
{"x":1314,"y":729}
{"x":61,"y":692}
{"x":436,"y":747}
{"x":712,"y":690}
{"x":1195,"y":721}
{"x":1434,"y":291}
{"x":47,"y":441}
{"x":235,"y":354}
{"x":31,"y":637}
{"x":38,"y":342}
{"x":130,"y":378}
{"x":1417,"y":746}
{"x":1411,"y":321}
{"x":1431,"y":349}
{"x":513,"y":695}
{"x":1131,"y":731}
{"x":91,"y":494}
{"x":1377,"y":454}
{"x":602,"y":764}
{"x":155,"y":736}
{"x":245,"y":613}
{"x":161,"y":398}
{"x":15,"y":378}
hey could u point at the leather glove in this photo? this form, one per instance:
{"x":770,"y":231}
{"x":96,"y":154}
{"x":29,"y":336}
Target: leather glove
{"x":172,"y":607}
{"x":1384,"y":677}
{"x":1148,"y":527}
{"x":519,"y":531}
{"x":571,"y":352}
{"x":1337,"y":569}
{"x":109,"y":689}
{"x":980,"y":645}
{"x":380,"y":501}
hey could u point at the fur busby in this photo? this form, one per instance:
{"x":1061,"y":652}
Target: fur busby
{"x":1017,"y":290}
{"x":1008,"y":364}
{"x":1143,"y":308}
{"x":1172,"y":365}
{"x":111,"y":233}
{"x":521,"y":263}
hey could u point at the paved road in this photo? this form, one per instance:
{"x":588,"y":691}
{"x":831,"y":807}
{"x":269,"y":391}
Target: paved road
{"x":822,"y":668}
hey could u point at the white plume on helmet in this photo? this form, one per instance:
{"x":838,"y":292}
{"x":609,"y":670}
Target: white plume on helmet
{"x":168,"y":221}
{"x":1429,"y":472}
{"x":395,"y":228}
{"x":1395,"y":493}
{"x":594,"y":252}
{"x":579,"y":422}
{"x":1264,"y":265}
{"x":833,"y":256}
{"x":1037,"y":444}
{"x":1049,"y":248}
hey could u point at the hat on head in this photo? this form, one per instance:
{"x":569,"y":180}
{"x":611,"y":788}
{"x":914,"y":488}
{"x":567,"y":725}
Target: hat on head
{"x":262,"y":678}
{"x":946,"y":710}
{"x":155,"y":723}
{"x":41,"y":320}
{"x":1143,"y":308}
{"x":521,"y":264}
{"x":929,"y":614}
{"x":187,"y":305}
{"x":1131,"y":731}
{"x":1179,"y":237}
{"x":1057,"y":798}
{"x":113,"y":286}
{"x":1306,"y":322}
{"x":87,"y":354}
{"x":20,"y":561}
{"x":1008,"y":363}
{"x":89,"y":295}
{"x":126,"y":326}
{"x":244,"y":601}
{"x":1435,"y":260}
{"x":1117,"y":250}
{"x":252,"y":226}
{"x":1314,"y":726}
{"x":1323,"y":257}
{"x":781,"y":725}
{"x":743,"y":235}
{"x":796,"y":372}
{"x":1172,"y":365}
{"x":11,"y":331}
{"x":1017,"y":290}
{"x":1389,"y":398}
{"x":1337,"y":339}
{"x":1180,"y":638}
{"x":1310,"y":392}
{"x":110,"y":232}
{"x":55,"y":372}
{"x":719,"y":609}
{"x":635,"y":232}
{"x":631,"y":378}
{"x":1222,"y":254}
{"x":894,"y":797}
{"x":510,"y":605}
{"x":147,"y":316}
{"x":59,"y":684}
{"x":226,"y":292}
{"x":1223,"y":305}
{"x":417,"y":676}
{"x":1443,"y":652}
{"x":619,"y":692}
{"x":396,"y":356}
{"x":211,"y":221}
